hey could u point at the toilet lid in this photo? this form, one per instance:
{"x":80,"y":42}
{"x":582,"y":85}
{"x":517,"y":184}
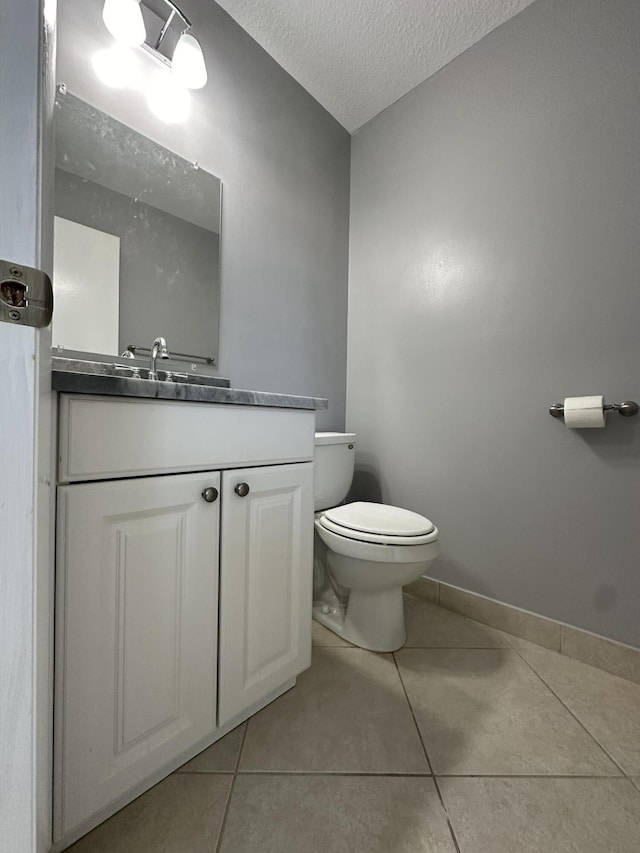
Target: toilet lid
{"x":377,"y":520}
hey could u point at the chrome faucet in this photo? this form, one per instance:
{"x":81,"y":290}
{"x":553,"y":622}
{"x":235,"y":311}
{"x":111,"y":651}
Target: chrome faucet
{"x":159,"y":348}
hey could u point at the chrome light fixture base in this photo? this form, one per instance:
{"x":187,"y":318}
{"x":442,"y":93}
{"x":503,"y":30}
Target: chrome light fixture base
{"x":165,"y":24}
{"x":169,"y":41}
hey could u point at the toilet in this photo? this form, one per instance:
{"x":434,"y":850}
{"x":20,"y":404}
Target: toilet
{"x":364,"y":553}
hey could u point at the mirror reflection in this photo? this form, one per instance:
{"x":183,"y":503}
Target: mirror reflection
{"x":136,"y":242}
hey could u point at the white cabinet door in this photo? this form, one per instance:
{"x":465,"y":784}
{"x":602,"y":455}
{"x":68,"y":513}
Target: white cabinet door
{"x":265,"y":583}
{"x":136,"y":635}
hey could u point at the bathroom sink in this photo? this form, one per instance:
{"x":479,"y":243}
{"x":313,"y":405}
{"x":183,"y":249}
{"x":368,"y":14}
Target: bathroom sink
{"x":135,"y":371}
{"x":119,"y":379}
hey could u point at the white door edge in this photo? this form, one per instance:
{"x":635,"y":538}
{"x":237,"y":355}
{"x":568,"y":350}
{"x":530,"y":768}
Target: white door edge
{"x":26,"y":101}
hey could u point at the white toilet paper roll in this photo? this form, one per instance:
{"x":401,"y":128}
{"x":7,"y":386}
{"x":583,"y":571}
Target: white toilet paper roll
{"x":581,"y":412}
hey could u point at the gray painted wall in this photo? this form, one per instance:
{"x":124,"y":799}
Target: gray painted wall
{"x":284,"y":163}
{"x":494,"y":270}
{"x":169,"y":268}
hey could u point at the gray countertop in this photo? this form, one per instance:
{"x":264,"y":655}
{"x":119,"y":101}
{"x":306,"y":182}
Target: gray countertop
{"x":88,"y":377}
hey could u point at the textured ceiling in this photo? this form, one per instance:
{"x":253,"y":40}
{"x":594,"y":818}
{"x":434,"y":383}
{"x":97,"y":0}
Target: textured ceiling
{"x":357,"y":57}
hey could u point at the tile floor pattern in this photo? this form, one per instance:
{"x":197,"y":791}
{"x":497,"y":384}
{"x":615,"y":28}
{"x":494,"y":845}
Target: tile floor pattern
{"x":465,"y":741}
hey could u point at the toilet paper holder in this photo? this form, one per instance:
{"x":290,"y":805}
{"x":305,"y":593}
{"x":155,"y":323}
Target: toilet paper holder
{"x":627,"y":409}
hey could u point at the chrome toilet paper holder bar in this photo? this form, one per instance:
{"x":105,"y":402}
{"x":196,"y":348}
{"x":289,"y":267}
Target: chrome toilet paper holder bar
{"x":627,"y":409}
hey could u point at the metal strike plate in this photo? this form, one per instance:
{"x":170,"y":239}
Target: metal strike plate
{"x":26,"y":295}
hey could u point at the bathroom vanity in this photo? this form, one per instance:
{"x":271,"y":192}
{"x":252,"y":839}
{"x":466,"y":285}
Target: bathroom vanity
{"x":184,"y":508}
{"x":184,"y":577}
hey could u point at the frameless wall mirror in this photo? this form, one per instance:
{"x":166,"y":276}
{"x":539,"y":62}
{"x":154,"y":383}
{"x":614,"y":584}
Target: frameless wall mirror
{"x":136,"y":239}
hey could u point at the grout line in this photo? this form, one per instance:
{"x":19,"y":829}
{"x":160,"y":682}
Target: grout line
{"x":226,"y":812}
{"x":240,"y":751}
{"x":354,"y":773}
{"x":405,"y":775}
{"x":524,"y":776}
{"x":230,"y":794}
{"x":426,"y":755}
{"x":413,"y":716}
{"x":205,"y":772}
{"x":575,"y":716}
{"x":446,"y":813}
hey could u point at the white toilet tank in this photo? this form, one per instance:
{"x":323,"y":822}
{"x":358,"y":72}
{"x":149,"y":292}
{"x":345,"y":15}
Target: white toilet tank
{"x":333,"y":470}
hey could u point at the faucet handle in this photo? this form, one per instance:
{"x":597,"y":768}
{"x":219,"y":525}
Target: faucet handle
{"x":123,"y":368}
{"x":133,"y":369}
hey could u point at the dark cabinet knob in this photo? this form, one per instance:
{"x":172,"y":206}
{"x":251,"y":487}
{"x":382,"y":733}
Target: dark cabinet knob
{"x":242,"y":490}
{"x":210,"y":494}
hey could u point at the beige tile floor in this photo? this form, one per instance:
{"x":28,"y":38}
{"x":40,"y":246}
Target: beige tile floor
{"x":465,"y":741}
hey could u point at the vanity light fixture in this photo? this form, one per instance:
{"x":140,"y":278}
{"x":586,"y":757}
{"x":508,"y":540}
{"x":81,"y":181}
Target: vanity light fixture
{"x":188,"y":63}
{"x":174,"y":45}
{"x":162,"y":29}
{"x":123,"y":19}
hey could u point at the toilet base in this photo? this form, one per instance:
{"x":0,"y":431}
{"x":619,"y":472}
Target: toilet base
{"x":374,"y":620}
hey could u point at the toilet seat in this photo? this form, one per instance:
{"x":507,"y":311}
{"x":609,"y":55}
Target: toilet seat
{"x":379,"y":524}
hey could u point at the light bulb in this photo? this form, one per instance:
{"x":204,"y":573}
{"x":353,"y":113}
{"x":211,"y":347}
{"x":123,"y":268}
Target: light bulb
{"x":187,"y":64}
{"x":168,"y":100}
{"x":115,"y":67}
{"x":123,"y":19}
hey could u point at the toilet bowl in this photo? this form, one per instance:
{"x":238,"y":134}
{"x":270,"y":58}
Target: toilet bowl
{"x":364,"y":553}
